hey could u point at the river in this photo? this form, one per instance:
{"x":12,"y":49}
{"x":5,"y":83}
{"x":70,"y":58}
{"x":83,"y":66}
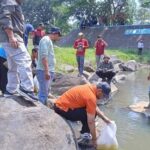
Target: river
{"x":133,"y":129}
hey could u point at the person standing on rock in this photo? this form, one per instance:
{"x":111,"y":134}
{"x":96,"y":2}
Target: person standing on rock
{"x":19,"y":61}
{"x":100,"y":45}
{"x":81,"y":44}
{"x":46,"y":63}
{"x":80,"y":104}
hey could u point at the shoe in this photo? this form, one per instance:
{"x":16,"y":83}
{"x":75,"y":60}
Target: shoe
{"x":87,"y":136}
{"x":85,"y":143}
{"x":27,"y":94}
{"x":8,"y":94}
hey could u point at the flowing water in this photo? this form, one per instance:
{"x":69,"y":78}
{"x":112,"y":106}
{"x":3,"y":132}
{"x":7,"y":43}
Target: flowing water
{"x":133,"y":129}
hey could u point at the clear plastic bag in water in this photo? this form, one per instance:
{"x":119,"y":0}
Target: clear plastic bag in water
{"x":107,"y":139}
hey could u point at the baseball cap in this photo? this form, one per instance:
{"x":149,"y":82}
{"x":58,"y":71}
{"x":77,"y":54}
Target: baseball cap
{"x":105,"y":56}
{"x":54,"y":30}
{"x":80,"y":34}
{"x":105,"y":87}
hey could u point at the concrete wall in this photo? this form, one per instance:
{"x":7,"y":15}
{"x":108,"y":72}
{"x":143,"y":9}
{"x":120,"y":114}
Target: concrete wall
{"x":115,"y":36}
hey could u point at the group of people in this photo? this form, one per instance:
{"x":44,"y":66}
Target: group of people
{"x":105,"y":68}
{"x":75,"y":104}
{"x":78,"y":103}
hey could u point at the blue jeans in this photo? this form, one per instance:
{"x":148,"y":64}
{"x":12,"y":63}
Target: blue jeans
{"x":44,"y":85}
{"x":80,"y":61}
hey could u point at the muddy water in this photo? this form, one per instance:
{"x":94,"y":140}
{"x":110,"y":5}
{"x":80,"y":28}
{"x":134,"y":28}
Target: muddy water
{"x":133,"y":130}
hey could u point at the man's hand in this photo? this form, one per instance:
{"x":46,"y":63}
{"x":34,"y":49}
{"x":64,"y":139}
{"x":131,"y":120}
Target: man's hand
{"x":94,"y":143}
{"x":47,"y":75}
{"x":104,"y":70}
{"x":13,"y":42}
{"x":107,"y":121}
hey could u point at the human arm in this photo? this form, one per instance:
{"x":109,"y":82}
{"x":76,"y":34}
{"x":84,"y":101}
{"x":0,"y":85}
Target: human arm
{"x":12,"y":40}
{"x":102,"y":115}
{"x":105,"y":43}
{"x":91,"y":125}
{"x":46,"y":68}
{"x":75,"y":45}
{"x":7,"y":25}
{"x":44,"y":55}
{"x":86,"y":44}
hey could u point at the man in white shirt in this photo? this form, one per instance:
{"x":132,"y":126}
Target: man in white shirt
{"x":140,"y":47}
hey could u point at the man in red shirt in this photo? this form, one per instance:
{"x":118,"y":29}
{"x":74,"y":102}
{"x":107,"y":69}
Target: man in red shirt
{"x":79,"y":104}
{"x":81,"y":44}
{"x":100,"y":45}
{"x":38,"y":34}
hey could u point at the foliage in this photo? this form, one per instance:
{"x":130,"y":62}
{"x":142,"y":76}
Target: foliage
{"x":89,"y":12}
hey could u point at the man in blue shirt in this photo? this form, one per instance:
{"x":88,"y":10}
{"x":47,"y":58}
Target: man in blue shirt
{"x":27,"y":30}
{"x":3,"y":71}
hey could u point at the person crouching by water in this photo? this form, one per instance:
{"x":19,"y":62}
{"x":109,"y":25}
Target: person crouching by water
{"x":80,"y":104}
{"x":106,"y":70}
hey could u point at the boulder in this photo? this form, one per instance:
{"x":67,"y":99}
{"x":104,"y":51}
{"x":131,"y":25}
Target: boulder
{"x":139,"y":107}
{"x":86,"y":74}
{"x":32,"y":126}
{"x":120,"y":77}
{"x":115,"y":60}
{"x":93,"y":78}
{"x":65,"y":82}
{"x":131,"y":65}
{"x":67,"y":68}
{"x":89,"y":68}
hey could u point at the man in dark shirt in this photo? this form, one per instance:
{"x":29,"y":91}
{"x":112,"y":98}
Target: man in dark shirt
{"x":106,"y":70}
{"x":28,"y":28}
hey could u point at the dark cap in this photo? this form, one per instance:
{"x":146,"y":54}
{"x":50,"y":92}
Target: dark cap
{"x":41,"y":24}
{"x":54,"y":30}
{"x":99,"y":36}
{"x":105,"y":87}
{"x":105,"y":56}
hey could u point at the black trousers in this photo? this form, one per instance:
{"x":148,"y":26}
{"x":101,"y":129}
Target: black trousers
{"x":106,"y":76}
{"x":140,"y":51}
{"x":78,"y":114}
{"x":3,"y":75}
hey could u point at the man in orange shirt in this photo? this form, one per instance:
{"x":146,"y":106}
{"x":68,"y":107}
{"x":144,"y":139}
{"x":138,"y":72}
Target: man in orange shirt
{"x":79,"y":104}
{"x":81,"y":44}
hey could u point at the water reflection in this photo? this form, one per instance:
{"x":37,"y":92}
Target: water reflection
{"x":133,"y":128}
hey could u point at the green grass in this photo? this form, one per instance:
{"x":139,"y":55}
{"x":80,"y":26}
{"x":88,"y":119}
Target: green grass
{"x":66,"y":55}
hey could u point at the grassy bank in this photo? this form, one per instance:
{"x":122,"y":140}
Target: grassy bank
{"x":66,"y":55}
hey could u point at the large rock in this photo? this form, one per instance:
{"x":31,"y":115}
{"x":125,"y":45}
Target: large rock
{"x":67,"y":68}
{"x":139,"y":107}
{"x":93,"y":78}
{"x":115,"y":60}
{"x":89,"y":68}
{"x":32,"y":126}
{"x":131,"y":65}
{"x":65,"y":82}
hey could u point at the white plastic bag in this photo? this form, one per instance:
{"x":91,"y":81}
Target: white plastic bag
{"x":107,"y":138}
